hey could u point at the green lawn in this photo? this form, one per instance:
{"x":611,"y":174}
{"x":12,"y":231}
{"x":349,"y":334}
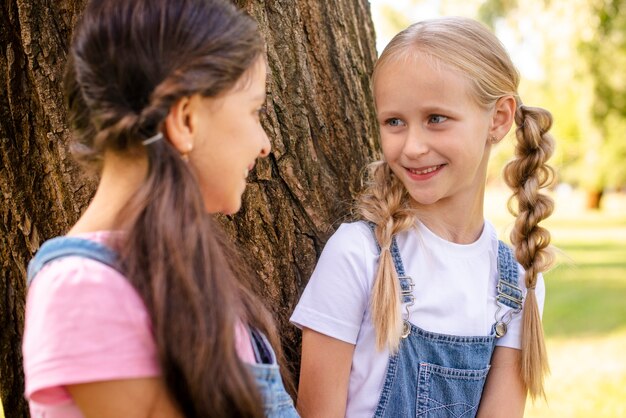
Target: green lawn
{"x":585,"y":310}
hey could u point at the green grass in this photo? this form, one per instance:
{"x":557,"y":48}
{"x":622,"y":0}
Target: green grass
{"x":585,"y":310}
{"x":585,"y":301}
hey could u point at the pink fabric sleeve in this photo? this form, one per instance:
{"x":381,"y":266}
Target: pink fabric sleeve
{"x":243,"y":344}
{"x":84,"y":323}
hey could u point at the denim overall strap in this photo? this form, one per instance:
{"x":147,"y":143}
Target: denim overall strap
{"x":60,"y":247}
{"x":395,"y":252}
{"x":435,"y":375}
{"x":266,"y":374}
{"x":406,"y":282}
{"x":509,"y":292}
{"x":263,"y":351}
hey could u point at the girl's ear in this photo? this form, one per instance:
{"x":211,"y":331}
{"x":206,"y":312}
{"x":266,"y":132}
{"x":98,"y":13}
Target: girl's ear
{"x":179,"y":125}
{"x":503,"y":117}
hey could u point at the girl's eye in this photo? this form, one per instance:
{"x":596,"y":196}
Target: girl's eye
{"x":436,"y":119}
{"x":394,"y":122}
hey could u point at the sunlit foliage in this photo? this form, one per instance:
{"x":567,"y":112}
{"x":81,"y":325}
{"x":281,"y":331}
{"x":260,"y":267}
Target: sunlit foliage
{"x":572,"y":56}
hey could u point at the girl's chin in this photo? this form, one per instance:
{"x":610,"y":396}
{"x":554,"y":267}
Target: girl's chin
{"x":224,"y":203}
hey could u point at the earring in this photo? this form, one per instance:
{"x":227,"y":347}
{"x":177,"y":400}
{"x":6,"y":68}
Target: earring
{"x":493,"y":139}
{"x":185,"y":155}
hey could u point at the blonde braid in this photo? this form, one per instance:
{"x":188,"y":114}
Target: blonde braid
{"x":526,"y":175}
{"x":385,"y":203}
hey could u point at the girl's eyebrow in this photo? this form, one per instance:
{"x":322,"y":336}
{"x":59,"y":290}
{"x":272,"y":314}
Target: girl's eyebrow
{"x":427,"y":109}
{"x":438,"y":109}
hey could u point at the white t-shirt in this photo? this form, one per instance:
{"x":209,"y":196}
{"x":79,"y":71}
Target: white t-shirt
{"x":455,"y":291}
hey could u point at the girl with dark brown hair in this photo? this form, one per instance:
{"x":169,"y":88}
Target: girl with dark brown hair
{"x":143,"y":309}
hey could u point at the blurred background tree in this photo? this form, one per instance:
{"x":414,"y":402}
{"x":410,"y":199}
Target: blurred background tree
{"x":605,"y":55}
{"x":572,"y":57}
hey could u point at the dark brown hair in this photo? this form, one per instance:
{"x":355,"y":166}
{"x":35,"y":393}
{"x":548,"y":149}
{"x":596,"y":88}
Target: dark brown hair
{"x":130,"y":61}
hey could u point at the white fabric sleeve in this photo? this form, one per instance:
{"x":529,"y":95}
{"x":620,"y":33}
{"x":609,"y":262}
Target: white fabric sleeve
{"x":513,"y":337}
{"x":337,"y":295}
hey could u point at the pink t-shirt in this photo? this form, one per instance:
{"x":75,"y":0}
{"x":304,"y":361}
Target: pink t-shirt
{"x":86,"y":323}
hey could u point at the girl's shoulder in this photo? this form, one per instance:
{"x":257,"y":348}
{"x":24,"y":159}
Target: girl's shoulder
{"x":75,"y":273}
{"x":84,"y":287}
{"x":84,"y":318}
{"x":354,"y":237}
{"x":79,"y":280}
{"x":354,"y":228}
{"x":84,"y":292}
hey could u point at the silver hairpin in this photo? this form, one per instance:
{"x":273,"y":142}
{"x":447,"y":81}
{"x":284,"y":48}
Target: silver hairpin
{"x":152,"y":139}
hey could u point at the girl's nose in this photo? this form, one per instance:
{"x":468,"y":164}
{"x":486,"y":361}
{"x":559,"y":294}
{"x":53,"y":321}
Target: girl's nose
{"x":266,"y":146}
{"x":415,"y":144}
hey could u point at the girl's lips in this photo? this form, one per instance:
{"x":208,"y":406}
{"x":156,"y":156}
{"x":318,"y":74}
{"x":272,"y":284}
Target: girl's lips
{"x":424,"y":173}
{"x":248,"y":170}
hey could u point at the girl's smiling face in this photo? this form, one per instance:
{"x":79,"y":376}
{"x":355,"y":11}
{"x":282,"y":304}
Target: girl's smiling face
{"x":434,"y":136}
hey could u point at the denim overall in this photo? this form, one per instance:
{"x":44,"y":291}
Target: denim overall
{"x":436,"y":375}
{"x":277,"y":402}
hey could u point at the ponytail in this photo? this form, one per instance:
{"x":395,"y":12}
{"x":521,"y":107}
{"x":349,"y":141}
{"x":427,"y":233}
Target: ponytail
{"x":526,"y":175}
{"x":385,"y":203}
{"x":172,"y":253}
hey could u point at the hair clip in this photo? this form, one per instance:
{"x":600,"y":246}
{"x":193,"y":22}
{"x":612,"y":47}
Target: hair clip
{"x":152,"y":139}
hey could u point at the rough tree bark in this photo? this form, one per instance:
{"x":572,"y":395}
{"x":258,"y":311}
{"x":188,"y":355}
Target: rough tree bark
{"x":42,"y":190}
{"x":320,"y":120}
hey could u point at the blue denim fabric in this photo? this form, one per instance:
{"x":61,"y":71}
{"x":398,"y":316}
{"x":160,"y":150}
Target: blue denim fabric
{"x":60,"y":247}
{"x":277,"y":402}
{"x":436,"y":375}
{"x":508,"y":291}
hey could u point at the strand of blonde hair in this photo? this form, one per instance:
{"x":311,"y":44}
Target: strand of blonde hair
{"x":526,"y":175}
{"x":385,"y":203}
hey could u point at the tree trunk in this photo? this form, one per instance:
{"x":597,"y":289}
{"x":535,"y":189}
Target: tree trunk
{"x":320,"y":121}
{"x":42,"y":190}
{"x":322,"y":125}
{"x":593,"y":197}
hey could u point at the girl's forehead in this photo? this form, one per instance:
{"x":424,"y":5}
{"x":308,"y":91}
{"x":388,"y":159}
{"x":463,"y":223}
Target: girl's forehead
{"x":419,"y":85}
{"x":413,"y":60}
{"x":420,"y":70}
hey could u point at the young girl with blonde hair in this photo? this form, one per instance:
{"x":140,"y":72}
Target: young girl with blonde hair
{"x":143,"y":309}
{"x":418,"y":309}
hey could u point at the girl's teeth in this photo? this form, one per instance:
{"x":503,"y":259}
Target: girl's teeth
{"x":428,"y":170}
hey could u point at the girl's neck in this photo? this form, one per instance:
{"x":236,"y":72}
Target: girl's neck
{"x":453,"y":221}
{"x":120,"y":179}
